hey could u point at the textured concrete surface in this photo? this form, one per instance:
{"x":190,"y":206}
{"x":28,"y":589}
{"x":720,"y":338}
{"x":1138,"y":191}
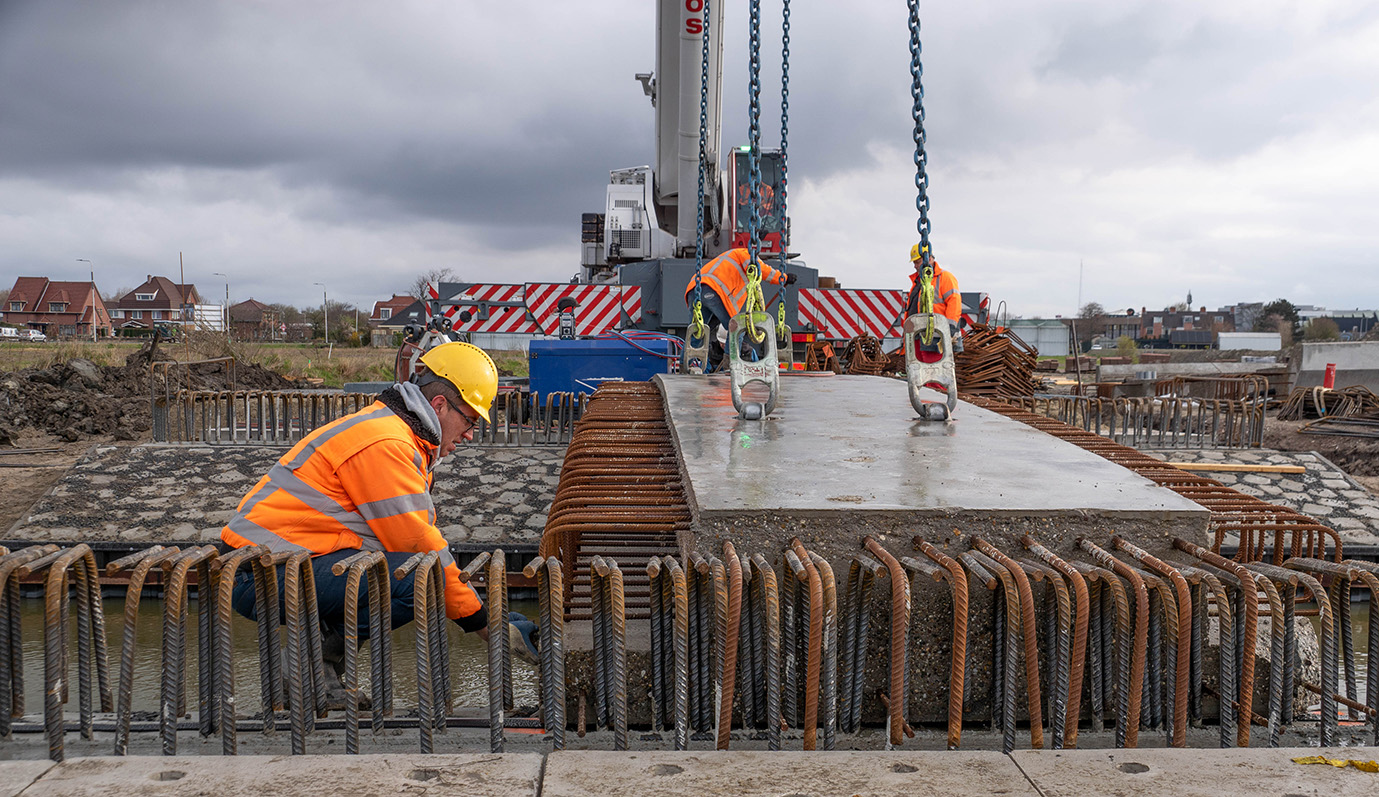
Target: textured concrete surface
{"x":840,"y":444}
{"x":299,"y":776}
{"x":781,"y":773}
{"x":1189,"y":773}
{"x":1323,"y":491}
{"x":15,"y":776}
{"x":174,"y":493}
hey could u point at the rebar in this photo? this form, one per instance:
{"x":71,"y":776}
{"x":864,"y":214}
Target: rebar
{"x":900,"y":624}
{"x":1027,"y":620}
{"x":1081,"y":610}
{"x":1246,"y":635}
{"x":952,"y":572}
{"x":730,"y":646}
{"x":1140,"y":631}
{"x":770,"y":607}
{"x":830,"y":650}
{"x":550,"y":595}
{"x":1181,"y":625}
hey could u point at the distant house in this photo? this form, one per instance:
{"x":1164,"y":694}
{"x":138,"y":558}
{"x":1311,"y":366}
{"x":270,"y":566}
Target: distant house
{"x":1158,"y":327}
{"x":57,"y":309}
{"x":157,"y":302}
{"x":256,"y":321}
{"x":392,"y":315}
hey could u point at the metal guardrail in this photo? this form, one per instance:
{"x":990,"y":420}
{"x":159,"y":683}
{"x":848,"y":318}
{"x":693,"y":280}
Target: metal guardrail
{"x":275,"y":417}
{"x":1161,"y":421}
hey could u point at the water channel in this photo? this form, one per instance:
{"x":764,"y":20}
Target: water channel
{"x":468,"y":657}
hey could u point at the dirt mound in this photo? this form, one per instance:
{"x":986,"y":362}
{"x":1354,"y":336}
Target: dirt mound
{"x":1358,"y":456}
{"x":79,"y":399}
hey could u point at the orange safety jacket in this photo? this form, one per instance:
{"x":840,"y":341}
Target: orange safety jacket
{"x":947,"y":299}
{"x":363,"y":481}
{"x":726,"y":275}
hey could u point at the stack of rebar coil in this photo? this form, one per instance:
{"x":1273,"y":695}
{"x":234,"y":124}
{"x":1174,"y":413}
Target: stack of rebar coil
{"x":995,"y":363}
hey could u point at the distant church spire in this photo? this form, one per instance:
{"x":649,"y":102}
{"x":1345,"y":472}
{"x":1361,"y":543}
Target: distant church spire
{"x":1189,"y":299}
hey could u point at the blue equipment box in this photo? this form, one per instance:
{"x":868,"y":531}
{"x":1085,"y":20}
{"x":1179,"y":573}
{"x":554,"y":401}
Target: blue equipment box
{"x":580,"y":366}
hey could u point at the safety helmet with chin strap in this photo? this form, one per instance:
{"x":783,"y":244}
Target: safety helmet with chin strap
{"x":469,"y":369}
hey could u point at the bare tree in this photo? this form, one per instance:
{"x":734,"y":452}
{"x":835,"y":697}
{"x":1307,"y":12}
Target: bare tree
{"x":434,"y":277}
{"x":1091,"y":310}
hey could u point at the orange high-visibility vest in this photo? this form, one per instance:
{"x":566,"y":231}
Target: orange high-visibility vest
{"x":947,"y":299}
{"x":363,"y":481}
{"x":726,"y":275}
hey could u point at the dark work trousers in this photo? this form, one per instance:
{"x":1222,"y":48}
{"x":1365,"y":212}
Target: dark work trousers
{"x":330,"y":592}
{"x":715,"y":316}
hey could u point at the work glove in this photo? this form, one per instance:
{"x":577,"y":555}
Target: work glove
{"x":524,"y":637}
{"x":790,"y":279}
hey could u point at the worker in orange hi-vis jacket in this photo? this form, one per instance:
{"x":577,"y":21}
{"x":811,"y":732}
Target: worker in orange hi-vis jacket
{"x":723,"y":291}
{"x":947,"y":298}
{"x":363,"y":482}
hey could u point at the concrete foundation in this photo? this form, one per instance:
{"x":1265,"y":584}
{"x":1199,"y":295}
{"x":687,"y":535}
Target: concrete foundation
{"x":844,"y":457}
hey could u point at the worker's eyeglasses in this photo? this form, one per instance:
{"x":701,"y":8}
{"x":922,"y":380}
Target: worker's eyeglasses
{"x":471,"y":422}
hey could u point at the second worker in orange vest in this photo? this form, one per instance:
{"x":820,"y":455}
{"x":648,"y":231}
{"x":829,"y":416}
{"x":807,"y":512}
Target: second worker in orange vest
{"x":947,"y":297}
{"x":724,"y":290}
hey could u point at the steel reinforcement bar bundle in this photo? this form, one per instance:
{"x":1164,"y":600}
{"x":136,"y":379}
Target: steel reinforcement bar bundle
{"x":1260,"y":528}
{"x":737,"y":639}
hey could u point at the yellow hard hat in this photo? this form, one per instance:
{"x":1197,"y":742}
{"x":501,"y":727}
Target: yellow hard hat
{"x":914,"y":252}
{"x":469,"y":369}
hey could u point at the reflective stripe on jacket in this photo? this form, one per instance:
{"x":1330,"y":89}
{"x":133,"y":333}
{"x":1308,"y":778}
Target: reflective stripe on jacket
{"x":726,"y":275}
{"x":363,"y":481}
{"x":947,"y":299}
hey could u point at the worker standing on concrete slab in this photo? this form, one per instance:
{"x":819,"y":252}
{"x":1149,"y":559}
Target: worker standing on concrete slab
{"x":364,"y":482}
{"x":947,"y":298}
{"x":723,"y":291}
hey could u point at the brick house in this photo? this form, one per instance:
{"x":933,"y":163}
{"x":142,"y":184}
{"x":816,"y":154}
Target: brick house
{"x":254,"y":320}
{"x":58,"y":309}
{"x":391,"y":315}
{"x":158,"y":301}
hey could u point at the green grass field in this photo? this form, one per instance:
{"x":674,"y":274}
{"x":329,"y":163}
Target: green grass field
{"x":293,"y":360}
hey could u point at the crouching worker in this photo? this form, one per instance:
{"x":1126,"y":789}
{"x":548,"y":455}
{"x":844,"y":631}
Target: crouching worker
{"x":364,"y":482}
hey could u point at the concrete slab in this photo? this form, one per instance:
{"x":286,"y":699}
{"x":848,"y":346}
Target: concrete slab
{"x":1187,"y":773}
{"x":16,"y":776}
{"x":653,"y":774}
{"x":853,"y":442}
{"x":297,"y":776}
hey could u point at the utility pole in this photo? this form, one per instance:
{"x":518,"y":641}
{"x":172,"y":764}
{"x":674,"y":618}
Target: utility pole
{"x":325,"y":313}
{"x":95,"y":294}
{"x":226,"y":315}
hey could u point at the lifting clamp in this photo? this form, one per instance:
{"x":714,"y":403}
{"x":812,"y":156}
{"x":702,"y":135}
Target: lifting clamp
{"x":765,"y":370}
{"x":940,"y":375}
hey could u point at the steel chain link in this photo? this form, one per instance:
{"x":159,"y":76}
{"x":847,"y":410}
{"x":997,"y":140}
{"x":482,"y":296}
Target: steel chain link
{"x":926,"y":294}
{"x":755,"y":301}
{"x":697,"y":328}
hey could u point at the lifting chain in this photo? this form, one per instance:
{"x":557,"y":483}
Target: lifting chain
{"x":755,"y":301}
{"x":926,"y":277}
{"x":784,"y":158}
{"x":697,"y":328}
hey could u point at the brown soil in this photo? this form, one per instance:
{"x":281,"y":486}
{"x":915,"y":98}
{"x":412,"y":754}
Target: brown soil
{"x":1358,"y":456}
{"x":21,"y":487}
{"x":80,"y":400}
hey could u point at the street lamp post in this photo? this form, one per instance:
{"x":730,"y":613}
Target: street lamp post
{"x":226,"y":315}
{"x":94,"y":293}
{"x":325,"y":313}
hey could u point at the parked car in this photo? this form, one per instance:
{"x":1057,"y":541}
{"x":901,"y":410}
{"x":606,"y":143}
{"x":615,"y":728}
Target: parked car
{"x":32,"y":335}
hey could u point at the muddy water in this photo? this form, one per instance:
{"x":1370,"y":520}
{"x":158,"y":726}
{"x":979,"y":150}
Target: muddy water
{"x":468,"y":660}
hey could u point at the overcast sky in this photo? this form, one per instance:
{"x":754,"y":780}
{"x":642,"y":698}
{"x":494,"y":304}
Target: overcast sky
{"x":1227,"y":148}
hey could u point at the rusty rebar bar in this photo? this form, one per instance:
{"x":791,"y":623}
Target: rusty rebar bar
{"x":1081,"y":610}
{"x":1131,"y":718}
{"x":900,"y":624}
{"x":1181,"y":625}
{"x":1250,"y":609}
{"x":770,"y":607}
{"x":1027,"y":619}
{"x":730,"y":645}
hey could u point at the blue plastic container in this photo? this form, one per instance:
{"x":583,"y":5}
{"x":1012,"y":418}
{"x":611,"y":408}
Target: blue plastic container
{"x":580,"y":366}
